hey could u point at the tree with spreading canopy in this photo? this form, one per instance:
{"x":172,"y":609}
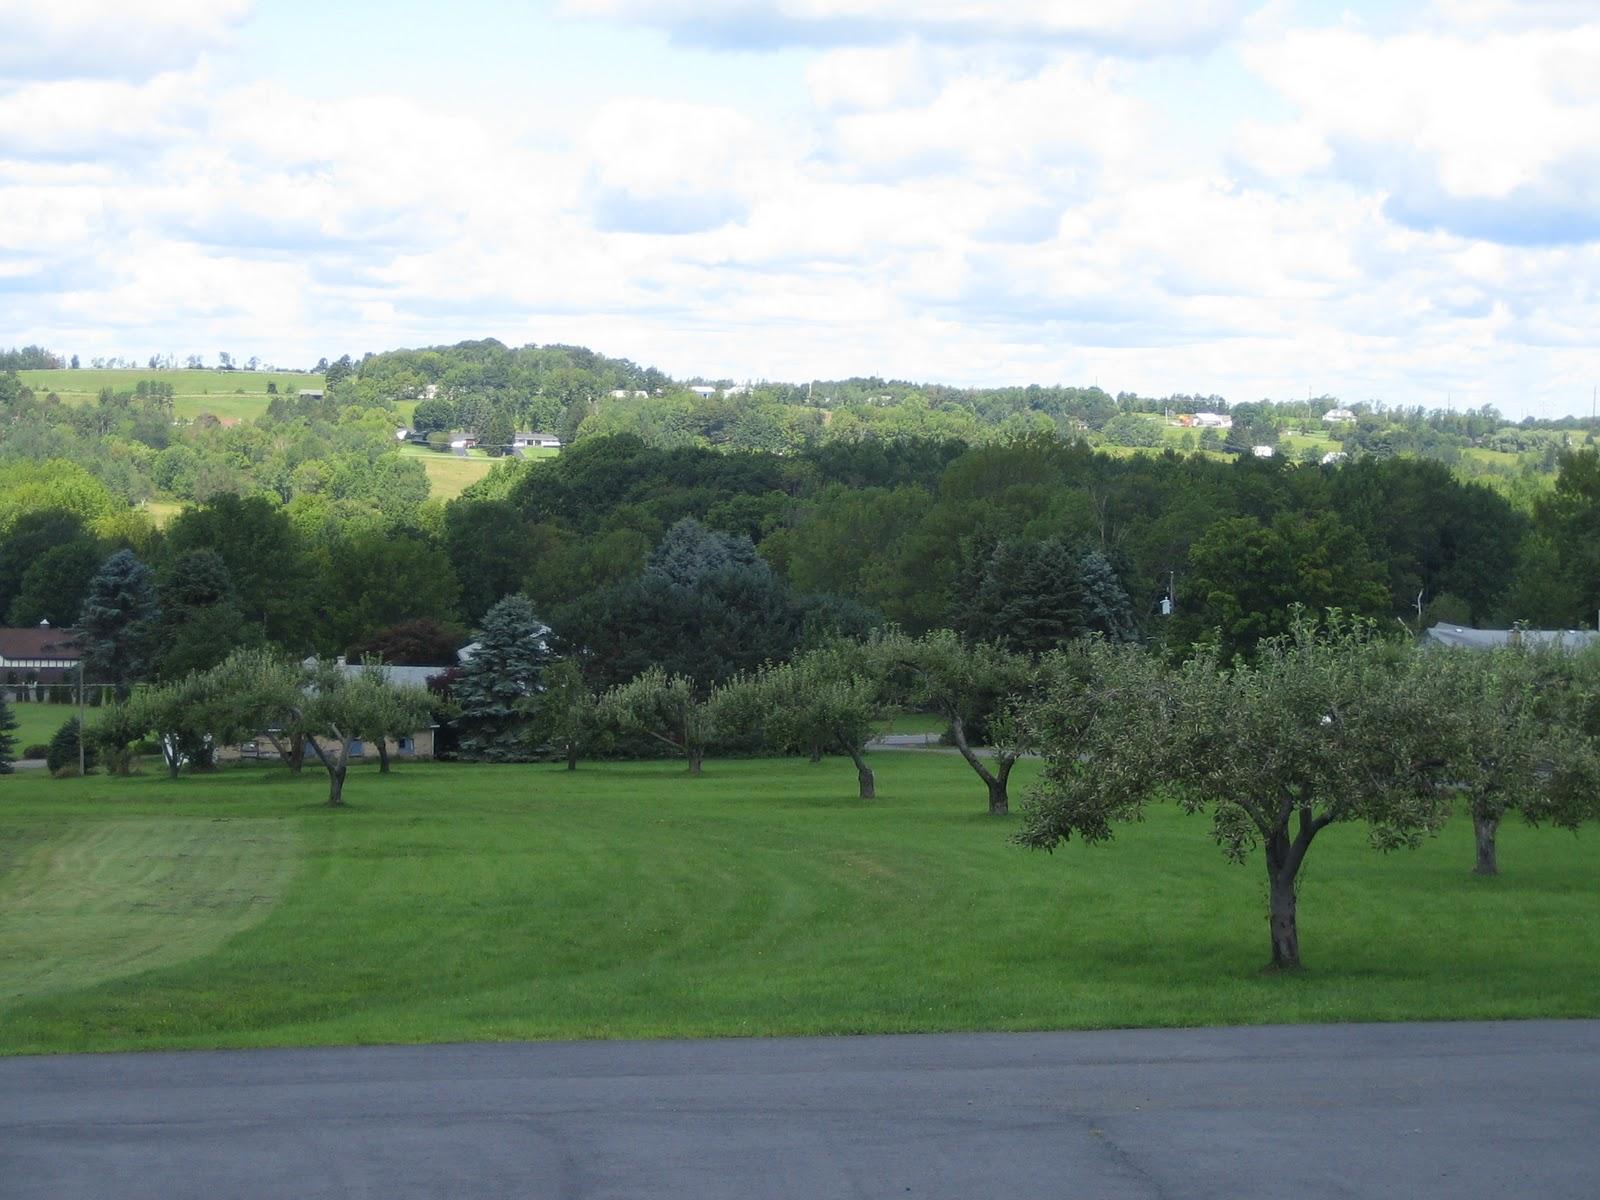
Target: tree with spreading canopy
{"x":1326,"y":725}
{"x":567,"y":715}
{"x":1512,"y":742}
{"x":666,"y":708}
{"x":826,"y":699}
{"x":972,"y":686}
{"x":388,"y":712}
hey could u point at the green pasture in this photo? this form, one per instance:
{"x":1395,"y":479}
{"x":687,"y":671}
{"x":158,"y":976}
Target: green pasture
{"x":239,"y":395}
{"x":453,"y":903}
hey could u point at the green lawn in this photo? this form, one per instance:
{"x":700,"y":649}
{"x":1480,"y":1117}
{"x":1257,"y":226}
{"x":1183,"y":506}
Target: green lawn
{"x":36,"y":723}
{"x":915,"y":723}
{"x":236,"y":394}
{"x":628,"y":900}
{"x":448,"y":475}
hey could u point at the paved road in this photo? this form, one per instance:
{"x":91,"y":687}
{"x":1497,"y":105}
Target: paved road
{"x":1392,"y":1111}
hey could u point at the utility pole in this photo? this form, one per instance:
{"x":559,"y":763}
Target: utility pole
{"x":80,"y":716}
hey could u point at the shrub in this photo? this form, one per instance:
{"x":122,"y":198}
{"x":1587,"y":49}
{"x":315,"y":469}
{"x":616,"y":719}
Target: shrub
{"x":63,"y":749}
{"x":37,"y":750}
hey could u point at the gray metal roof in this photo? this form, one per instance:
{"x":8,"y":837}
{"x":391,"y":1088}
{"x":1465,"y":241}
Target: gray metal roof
{"x":1488,"y":639}
{"x":405,"y":675}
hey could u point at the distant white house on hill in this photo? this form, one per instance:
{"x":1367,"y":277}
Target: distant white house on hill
{"x":1339,"y":416}
{"x":535,"y":441}
{"x":1211,"y":420}
{"x":1262,"y":451}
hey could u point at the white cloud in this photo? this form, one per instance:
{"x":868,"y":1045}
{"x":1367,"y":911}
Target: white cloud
{"x":926,"y":208}
{"x":129,"y":39}
{"x":1137,"y":26}
{"x":1488,"y":134}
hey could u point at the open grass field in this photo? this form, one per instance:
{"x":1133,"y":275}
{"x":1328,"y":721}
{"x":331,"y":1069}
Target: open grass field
{"x":240,"y":395}
{"x":37,"y":723}
{"x":449,"y":476}
{"x":628,"y":900}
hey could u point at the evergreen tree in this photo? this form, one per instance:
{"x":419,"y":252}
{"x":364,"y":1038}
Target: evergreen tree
{"x":689,"y":552}
{"x":499,"y":681}
{"x":1106,"y":607}
{"x":63,"y":750}
{"x":117,"y":627}
{"x":8,"y":744}
{"x":200,"y":619}
{"x":1026,"y":596}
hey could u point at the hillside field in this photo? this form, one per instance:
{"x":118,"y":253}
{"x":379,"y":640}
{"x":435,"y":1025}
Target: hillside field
{"x":237,"y":395}
{"x":454,"y":903}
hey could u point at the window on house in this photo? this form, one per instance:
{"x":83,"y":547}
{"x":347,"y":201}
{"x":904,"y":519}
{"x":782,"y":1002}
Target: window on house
{"x":407,"y":746}
{"x":357,"y":748}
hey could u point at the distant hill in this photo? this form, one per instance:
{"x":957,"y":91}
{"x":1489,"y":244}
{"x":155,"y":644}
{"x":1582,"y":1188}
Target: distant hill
{"x":240,"y":395}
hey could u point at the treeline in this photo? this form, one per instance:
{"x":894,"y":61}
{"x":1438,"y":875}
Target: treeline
{"x":708,"y":563}
{"x":30,"y":358}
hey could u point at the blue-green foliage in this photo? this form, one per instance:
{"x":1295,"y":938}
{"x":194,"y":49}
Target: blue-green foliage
{"x":500,"y":681}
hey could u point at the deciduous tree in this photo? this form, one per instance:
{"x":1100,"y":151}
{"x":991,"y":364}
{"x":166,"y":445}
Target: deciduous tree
{"x":1325,"y":726}
{"x":666,"y":708}
{"x":970,"y":685}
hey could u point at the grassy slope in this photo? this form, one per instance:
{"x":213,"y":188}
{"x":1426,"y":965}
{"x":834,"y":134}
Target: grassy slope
{"x":238,"y":394}
{"x":628,"y":900}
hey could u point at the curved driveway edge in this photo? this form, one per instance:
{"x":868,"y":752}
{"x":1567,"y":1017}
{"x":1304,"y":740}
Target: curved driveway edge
{"x":1318,"y":1111}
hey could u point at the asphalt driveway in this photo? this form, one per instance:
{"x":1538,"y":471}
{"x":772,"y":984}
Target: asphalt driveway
{"x":1311,"y":1112}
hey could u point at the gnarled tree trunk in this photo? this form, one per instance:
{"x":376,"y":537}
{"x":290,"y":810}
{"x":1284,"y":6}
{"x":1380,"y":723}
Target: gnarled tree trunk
{"x":336,"y":764}
{"x":1484,"y":828}
{"x":995,"y":781}
{"x":864,"y":778}
{"x":572,"y":756}
{"x":383,"y":756}
{"x":696,"y":756}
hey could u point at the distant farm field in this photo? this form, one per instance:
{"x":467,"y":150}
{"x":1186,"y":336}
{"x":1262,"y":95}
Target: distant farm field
{"x":448,"y":474}
{"x":237,"y":395}
{"x":628,"y":900}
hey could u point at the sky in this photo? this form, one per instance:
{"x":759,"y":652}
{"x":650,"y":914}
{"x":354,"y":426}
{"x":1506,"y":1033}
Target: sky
{"x":1394,"y":202}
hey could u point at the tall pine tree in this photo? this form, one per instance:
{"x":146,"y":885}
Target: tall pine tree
{"x":499,"y":680}
{"x":119,"y":623}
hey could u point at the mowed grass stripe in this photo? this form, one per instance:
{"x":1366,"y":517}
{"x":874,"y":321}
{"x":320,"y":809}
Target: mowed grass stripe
{"x":101,"y":900}
{"x":629,"y":900}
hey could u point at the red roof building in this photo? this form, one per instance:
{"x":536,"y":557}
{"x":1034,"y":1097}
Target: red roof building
{"x":39,"y":653}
